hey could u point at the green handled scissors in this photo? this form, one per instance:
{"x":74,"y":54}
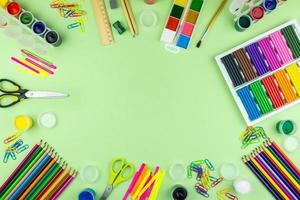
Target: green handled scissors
{"x":14,"y":93}
{"x":120,"y":171}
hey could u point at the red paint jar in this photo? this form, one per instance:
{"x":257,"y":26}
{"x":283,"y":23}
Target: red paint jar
{"x":13,"y":8}
{"x":257,"y":13}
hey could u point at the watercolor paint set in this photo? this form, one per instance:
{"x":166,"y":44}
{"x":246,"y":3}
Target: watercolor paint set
{"x":35,"y":26}
{"x":263,"y":74}
{"x":248,"y":13}
{"x":181,"y":23}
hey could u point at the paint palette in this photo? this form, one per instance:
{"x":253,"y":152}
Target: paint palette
{"x":262,"y":74}
{"x":181,"y":23}
{"x":248,"y":13}
{"x":37,"y":28}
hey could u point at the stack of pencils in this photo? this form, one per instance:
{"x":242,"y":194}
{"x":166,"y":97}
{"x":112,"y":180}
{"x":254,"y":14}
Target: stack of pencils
{"x":275,"y":170}
{"x":41,"y":175}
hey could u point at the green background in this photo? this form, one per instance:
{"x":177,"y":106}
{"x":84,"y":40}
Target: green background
{"x":133,"y":99}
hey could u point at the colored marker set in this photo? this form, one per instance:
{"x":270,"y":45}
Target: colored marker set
{"x":262,"y":74}
{"x":145,"y":184}
{"x":181,"y":23}
{"x":37,"y":27}
{"x":41,"y":175}
{"x":275,"y":170}
{"x":34,"y":65}
{"x":247,"y":13}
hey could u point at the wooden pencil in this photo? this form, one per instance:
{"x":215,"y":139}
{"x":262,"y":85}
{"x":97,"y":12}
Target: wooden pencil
{"x":129,"y":17}
{"x":64,"y":186}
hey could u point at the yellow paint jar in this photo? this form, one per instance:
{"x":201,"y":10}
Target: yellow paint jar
{"x":23,"y":123}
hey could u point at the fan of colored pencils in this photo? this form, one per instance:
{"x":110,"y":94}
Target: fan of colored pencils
{"x":275,"y":170}
{"x":41,"y":175}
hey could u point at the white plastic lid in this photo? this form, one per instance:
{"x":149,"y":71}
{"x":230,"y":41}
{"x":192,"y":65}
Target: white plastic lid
{"x":291,"y":143}
{"x":229,"y":171}
{"x":178,"y":172}
{"x":242,"y":186}
{"x":47,"y":120}
{"x":148,"y":18}
{"x":89,"y":173}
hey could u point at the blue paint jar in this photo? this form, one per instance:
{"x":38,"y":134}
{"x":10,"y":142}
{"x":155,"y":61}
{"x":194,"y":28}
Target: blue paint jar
{"x":270,"y":5}
{"x":87,"y":194}
{"x":39,"y":28}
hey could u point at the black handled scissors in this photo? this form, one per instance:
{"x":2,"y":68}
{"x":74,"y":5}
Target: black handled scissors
{"x":14,"y":93}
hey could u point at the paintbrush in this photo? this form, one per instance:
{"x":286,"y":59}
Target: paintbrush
{"x":211,"y":22}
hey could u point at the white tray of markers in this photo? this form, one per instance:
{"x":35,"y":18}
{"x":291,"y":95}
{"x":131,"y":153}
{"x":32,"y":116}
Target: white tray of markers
{"x":263,"y":74}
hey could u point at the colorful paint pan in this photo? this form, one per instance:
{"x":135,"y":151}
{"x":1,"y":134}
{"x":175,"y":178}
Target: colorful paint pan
{"x":13,"y":8}
{"x":189,"y":24}
{"x":257,"y":12}
{"x":263,"y":74}
{"x":172,"y":25}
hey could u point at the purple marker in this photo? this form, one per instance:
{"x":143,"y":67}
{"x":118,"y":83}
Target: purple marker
{"x":257,"y":59}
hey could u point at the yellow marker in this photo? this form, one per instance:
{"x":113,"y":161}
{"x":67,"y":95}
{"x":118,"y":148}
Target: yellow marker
{"x":294,"y":74}
{"x":42,"y":74}
{"x":141,"y":185}
{"x":157,"y":186}
{"x":3,"y":3}
{"x":154,"y":178}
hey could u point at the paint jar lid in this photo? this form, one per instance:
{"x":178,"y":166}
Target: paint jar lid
{"x":47,"y":120}
{"x":13,"y":8}
{"x":148,"y":18}
{"x":242,"y":186}
{"x":3,"y":21}
{"x":287,"y":127}
{"x":89,"y":173}
{"x":178,"y":172}
{"x":179,"y":192}
{"x":291,"y":143}
{"x":229,"y":171}
{"x":257,"y":12}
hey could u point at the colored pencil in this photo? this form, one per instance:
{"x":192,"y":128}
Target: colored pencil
{"x":64,"y":186}
{"x":22,"y":174}
{"x":40,"y":185}
{"x":275,"y":170}
{"x":55,"y":184}
{"x":62,"y":170}
{"x":20,"y":166}
{"x":13,"y":194}
{"x":38,"y":178}
{"x":211,"y":22}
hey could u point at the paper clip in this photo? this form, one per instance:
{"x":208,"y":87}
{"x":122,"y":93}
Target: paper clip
{"x":189,"y":172}
{"x":231,"y":196}
{"x":17,"y":144}
{"x":209,"y":165}
{"x":213,"y":179}
{"x":22,"y":148}
{"x":198,"y":186}
{"x":205,"y":194}
{"x":73,"y":25}
{"x":78,"y":13}
{"x":6,"y":156}
{"x":198,"y":162}
{"x":12,"y":137}
{"x":217,"y":182}
{"x":12,"y":155}
{"x":69,"y":13}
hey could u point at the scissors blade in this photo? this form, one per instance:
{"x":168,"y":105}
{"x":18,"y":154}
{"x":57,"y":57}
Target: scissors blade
{"x":45,"y":94}
{"x":107,"y":192}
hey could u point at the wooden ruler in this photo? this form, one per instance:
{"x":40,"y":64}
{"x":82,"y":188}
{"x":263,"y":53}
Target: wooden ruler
{"x":103,"y":22}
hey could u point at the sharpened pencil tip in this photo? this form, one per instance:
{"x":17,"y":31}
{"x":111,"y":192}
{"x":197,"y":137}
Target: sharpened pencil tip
{"x":199,"y":44}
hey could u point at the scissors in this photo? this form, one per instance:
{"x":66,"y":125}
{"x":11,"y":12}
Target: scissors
{"x":14,"y":93}
{"x":120,"y":171}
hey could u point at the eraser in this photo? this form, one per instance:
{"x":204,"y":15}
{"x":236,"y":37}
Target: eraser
{"x":113,"y":4}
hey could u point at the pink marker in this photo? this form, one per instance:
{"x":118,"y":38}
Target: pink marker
{"x":38,"y":59}
{"x":39,"y":66}
{"x":133,"y":182}
{"x":25,"y":65}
